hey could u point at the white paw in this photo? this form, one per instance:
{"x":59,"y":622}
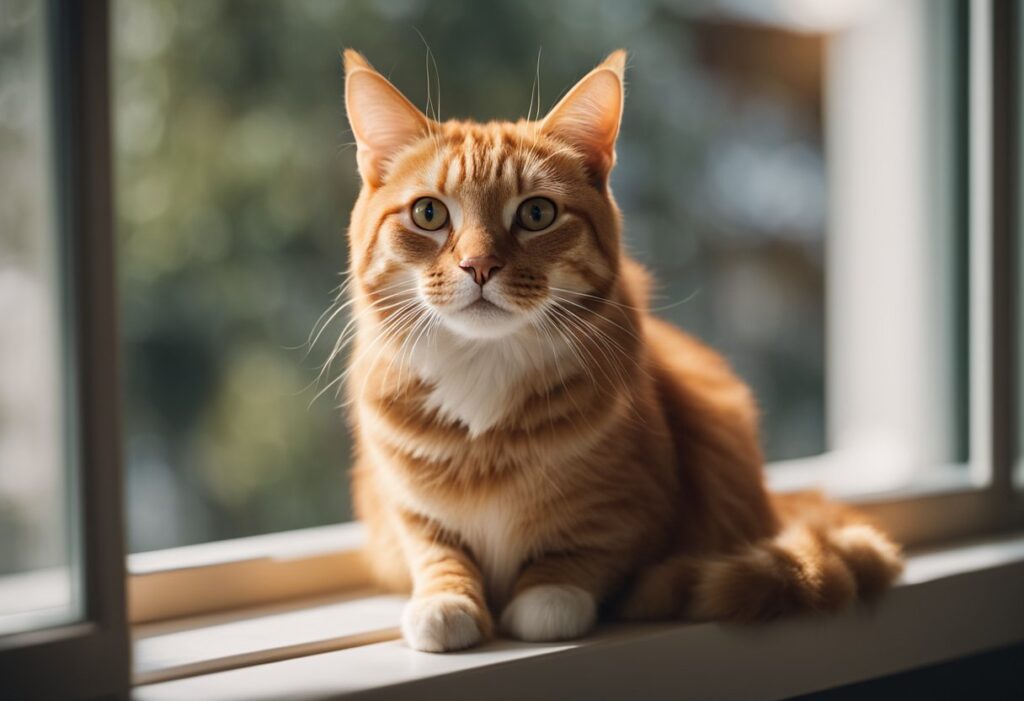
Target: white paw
{"x":550,"y":612}
{"x":440,"y":623}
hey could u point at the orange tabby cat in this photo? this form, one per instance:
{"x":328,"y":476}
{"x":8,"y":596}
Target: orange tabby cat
{"x":532,"y":444}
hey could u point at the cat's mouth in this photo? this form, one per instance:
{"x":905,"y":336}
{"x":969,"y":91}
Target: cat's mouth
{"x":483,"y":319}
{"x":483,"y":306}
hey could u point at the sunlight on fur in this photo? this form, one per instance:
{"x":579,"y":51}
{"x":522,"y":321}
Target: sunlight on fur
{"x":533,"y":445}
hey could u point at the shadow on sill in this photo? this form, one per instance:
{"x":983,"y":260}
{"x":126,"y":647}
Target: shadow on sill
{"x":995,"y":676}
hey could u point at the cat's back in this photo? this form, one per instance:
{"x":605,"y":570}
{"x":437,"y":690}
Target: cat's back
{"x":712,"y":416}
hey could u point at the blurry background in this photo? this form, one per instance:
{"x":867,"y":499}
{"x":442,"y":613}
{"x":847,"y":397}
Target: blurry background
{"x":235,"y":176}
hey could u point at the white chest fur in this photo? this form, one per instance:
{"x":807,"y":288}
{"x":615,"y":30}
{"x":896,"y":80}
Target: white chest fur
{"x":477,"y":382}
{"x":492,"y":531}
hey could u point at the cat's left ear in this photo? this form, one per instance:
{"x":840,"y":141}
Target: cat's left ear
{"x":588,"y":117}
{"x":383,"y":120}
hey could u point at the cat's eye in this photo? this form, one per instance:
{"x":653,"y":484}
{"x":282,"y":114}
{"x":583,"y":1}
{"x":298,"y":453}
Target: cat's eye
{"x":536,"y":213}
{"x":429,"y":213}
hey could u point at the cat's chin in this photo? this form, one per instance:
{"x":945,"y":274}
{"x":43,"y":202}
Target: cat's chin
{"x":483,"y":320}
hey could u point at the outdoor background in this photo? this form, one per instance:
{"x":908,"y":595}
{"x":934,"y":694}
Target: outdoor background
{"x":235,"y":175}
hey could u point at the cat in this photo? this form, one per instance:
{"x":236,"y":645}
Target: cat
{"x":533,"y":447}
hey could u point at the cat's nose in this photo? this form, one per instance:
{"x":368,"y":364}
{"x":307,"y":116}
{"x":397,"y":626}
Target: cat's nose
{"x":482,"y":268}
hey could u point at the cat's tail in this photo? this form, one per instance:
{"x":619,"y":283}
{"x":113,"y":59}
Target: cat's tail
{"x":824,"y":557}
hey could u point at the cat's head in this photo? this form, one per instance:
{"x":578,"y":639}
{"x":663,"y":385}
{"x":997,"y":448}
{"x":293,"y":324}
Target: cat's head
{"x":484,"y":226}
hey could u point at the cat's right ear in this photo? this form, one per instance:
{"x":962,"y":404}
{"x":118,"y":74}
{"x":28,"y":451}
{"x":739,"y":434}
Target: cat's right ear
{"x":382,"y":119}
{"x":588,"y":117}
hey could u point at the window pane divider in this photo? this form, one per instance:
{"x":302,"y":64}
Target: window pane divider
{"x":1004,"y":193}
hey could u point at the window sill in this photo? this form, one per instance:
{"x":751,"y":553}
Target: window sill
{"x":242,"y":573}
{"x":289,"y":566}
{"x":952,"y":602}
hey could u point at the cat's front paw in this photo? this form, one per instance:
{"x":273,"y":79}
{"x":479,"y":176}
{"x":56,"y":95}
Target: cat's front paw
{"x":443,"y":622}
{"x":550,"y":612}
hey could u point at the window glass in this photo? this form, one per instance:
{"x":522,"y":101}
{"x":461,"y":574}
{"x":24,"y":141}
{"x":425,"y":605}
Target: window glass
{"x":236,"y":172}
{"x":37,"y":584}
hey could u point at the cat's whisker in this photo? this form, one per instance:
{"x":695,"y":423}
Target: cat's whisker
{"x":622,"y":380}
{"x":613,"y":353}
{"x":336,"y":294}
{"x":671,"y":305}
{"x":346,"y":337}
{"x":437,"y":82}
{"x":387,"y":333}
{"x":434,"y":121}
{"x":337,"y":380}
{"x":573,"y":327}
{"x":318,"y":329}
{"x":575,"y":347}
{"x":431,"y":321}
{"x":545,"y":323}
{"x":540,"y":324}
{"x":385,"y":339}
{"x":573,"y":343}
{"x":421,"y":322}
{"x":431,"y":318}
{"x":591,"y":326}
{"x":376,"y":307}
{"x":629,"y":331}
{"x":535,"y":88}
{"x":399,"y":325}
{"x":313,"y":339}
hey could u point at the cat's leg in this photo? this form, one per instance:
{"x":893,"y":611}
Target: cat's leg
{"x":448,"y":609}
{"x":556,"y":597}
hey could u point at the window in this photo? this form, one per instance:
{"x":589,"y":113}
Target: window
{"x":848,"y":242}
{"x":62,"y":561}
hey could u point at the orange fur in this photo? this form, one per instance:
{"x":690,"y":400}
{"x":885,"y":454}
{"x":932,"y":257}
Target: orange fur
{"x":554,"y":448}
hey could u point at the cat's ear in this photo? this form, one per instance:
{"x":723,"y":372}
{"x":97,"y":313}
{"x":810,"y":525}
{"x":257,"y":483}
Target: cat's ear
{"x":588,"y":117}
{"x":382,"y":119}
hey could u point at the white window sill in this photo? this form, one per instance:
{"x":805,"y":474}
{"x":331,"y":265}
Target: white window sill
{"x":952,"y":602}
{"x":316,"y":562}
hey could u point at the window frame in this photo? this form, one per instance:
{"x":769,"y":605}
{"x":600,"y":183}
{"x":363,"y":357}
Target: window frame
{"x":93,"y":653}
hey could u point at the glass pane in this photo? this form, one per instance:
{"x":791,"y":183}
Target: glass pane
{"x":37,"y":582}
{"x":235,"y":176}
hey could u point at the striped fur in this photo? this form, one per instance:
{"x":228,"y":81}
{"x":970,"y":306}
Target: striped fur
{"x":540,"y":446}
